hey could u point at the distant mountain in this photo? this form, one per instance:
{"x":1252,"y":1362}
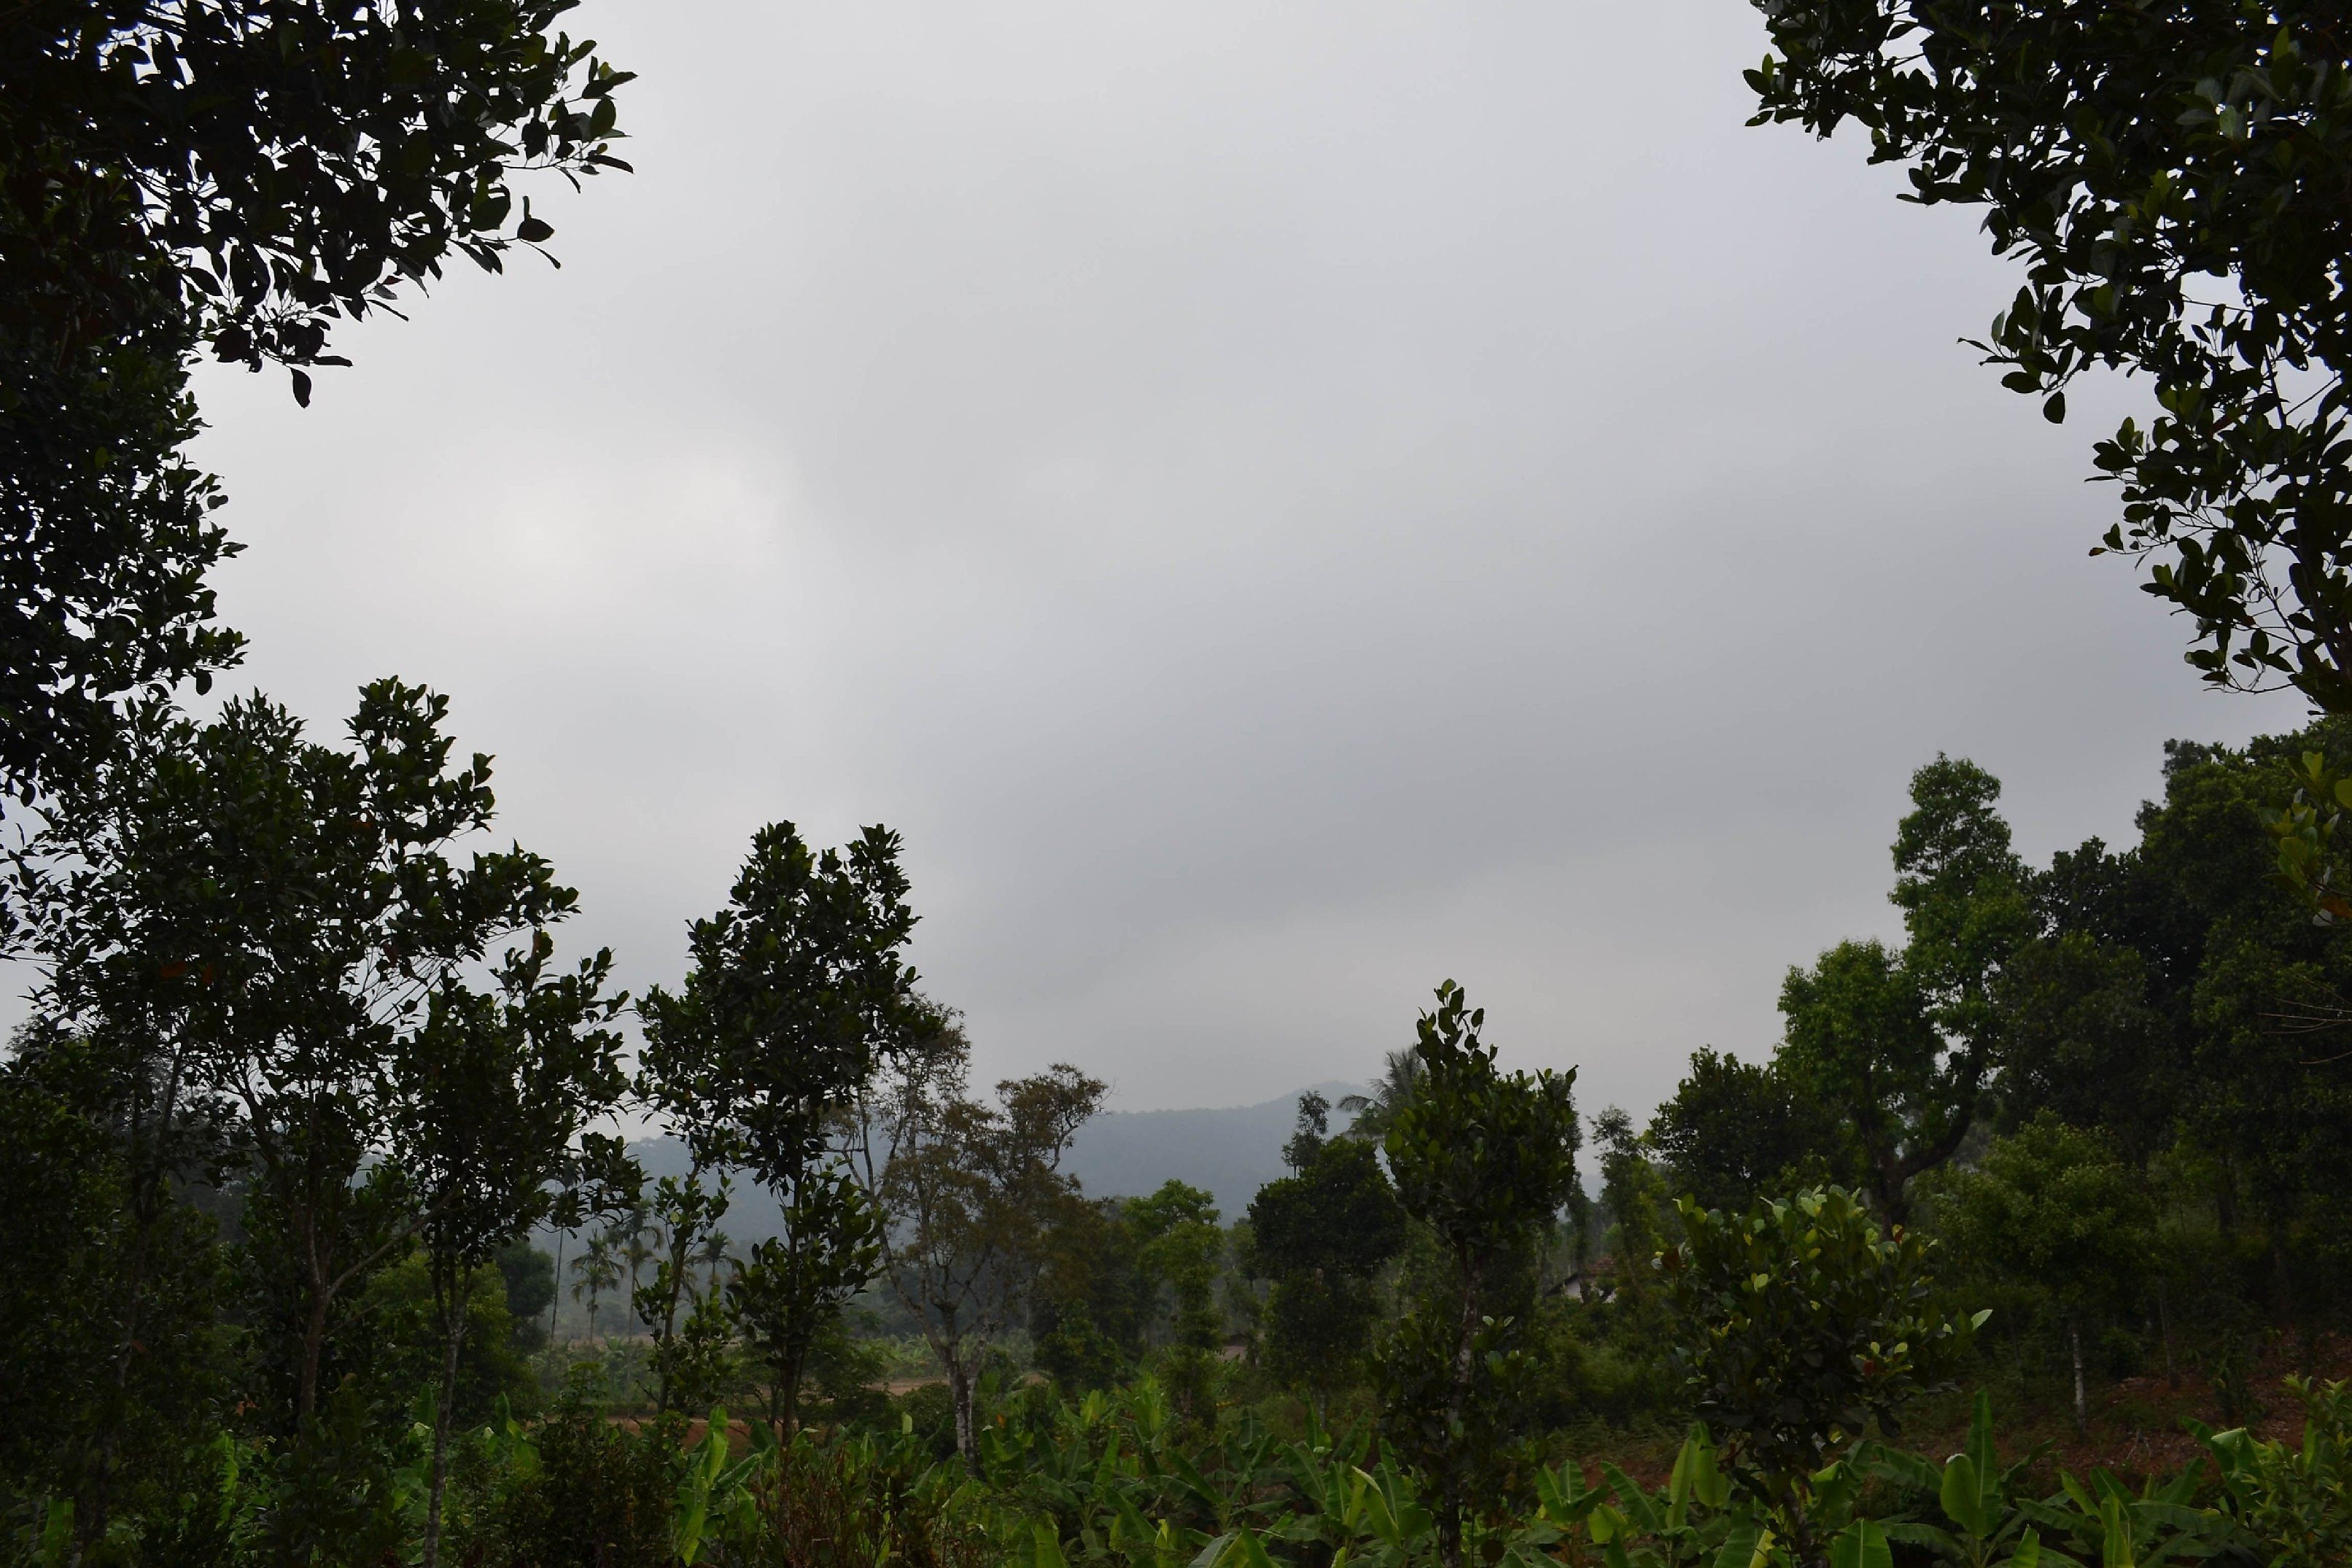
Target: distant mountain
{"x":1229,"y":1152}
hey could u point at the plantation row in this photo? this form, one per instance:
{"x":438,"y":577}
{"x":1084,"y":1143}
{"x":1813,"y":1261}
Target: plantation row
{"x":1116,"y":1479}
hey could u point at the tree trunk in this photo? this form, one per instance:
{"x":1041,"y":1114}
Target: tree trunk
{"x":2287,"y":1309}
{"x":1465,"y":1367}
{"x":788,"y":1370}
{"x":2163,"y":1328}
{"x":959,"y":1392}
{"x":443,"y":1419}
{"x":2075,"y":1343}
{"x":146,"y":1209}
{"x":556,"y":1307}
{"x":94,"y":1517}
{"x":1887,"y":1188}
{"x":314,"y":1343}
{"x":666,"y":1340}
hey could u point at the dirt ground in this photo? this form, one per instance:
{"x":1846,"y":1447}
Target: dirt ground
{"x":2136,"y":1430}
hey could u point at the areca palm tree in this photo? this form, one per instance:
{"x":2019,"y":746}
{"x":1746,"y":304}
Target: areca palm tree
{"x":637,"y":1240}
{"x":713,"y":1253}
{"x":599,"y":1270}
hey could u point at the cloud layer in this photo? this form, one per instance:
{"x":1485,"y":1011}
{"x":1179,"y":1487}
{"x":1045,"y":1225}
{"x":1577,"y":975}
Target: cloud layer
{"x":1280,"y":506}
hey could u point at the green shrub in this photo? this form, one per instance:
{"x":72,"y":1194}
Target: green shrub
{"x":582,"y":1493}
{"x":2294,"y":1503}
{"x":1799,"y":1325}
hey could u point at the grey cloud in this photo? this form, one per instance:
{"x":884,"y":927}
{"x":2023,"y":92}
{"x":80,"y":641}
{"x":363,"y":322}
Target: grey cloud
{"x":1280,"y":505}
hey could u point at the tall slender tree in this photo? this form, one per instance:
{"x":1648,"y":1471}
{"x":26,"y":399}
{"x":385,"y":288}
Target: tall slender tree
{"x":799,"y":991}
{"x":1902,"y":1046}
{"x":495,"y":1095}
{"x":969,"y":1192}
{"x":1486,"y":1160}
{"x":1321,"y":1234}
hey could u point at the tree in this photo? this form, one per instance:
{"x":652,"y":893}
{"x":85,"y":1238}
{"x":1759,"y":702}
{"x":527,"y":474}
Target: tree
{"x":689,"y":1356}
{"x":1966,"y":903}
{"x":599,"y":1271}
{"x":1486,"y":1160}
{"x":2257,"y":1002}
{"x":234,"y":175}
{"x":793,"y":1286}
{"x":798,"y":992}
{"x":634,"y":1235}
{"x":1901,"y":1048}
{"x":1859,"y":1039}
{"x":265,"y":919}
{"x":2053,"y":1208}
{"x":1312,"y":1132}
{"x":530,"y":1277}
{"x":1181,"y":1249}
{"x":1322,"y":1235}
{"x":1091,"y":1296}
{"x":1735,"y":1131}
{"x":970,"y":1194}
{"x":2079,"y":1039}
{"x":2171,"y":178}
{"x":1400,"y":1075}
{"x":109,"y":1308}
{"x":494,"y":1093}
{"x":1797,"y":1325}
{"x":716,"y":1251}
{"x":1634,"y":1194}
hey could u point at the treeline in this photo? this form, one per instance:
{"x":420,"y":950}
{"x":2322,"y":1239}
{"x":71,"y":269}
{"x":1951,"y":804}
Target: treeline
{"x":265,"y":1297}
{"x":2116,"y":1090}
{"x":306,"y":1074}
{"x":2118,"y":1086}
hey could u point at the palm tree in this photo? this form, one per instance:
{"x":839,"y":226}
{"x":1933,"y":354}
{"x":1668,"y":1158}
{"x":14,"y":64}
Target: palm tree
{"x":713,"y":1253}
{"x":638,"y":1240}
{"x":599,"y":1270}
{"x":1399,"y":1083}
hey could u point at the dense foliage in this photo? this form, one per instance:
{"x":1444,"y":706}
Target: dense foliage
{"x":2170,"y":173}
{"x":234,"y":175}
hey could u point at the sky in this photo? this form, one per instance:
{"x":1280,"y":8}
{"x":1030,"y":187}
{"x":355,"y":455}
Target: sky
{"x":1279,"y":506}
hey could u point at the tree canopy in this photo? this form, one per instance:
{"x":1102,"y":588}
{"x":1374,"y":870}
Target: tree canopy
{"x":232,"y":176}
{"x":2171,"y":180}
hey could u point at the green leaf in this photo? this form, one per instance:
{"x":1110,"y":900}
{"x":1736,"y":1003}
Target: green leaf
{"x":1862,"y":1544}
{"x":1962,"y":1495}
{"x":1749,"y":1545}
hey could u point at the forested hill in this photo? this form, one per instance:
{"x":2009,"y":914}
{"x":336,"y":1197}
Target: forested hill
{"x":1229,"y":1152}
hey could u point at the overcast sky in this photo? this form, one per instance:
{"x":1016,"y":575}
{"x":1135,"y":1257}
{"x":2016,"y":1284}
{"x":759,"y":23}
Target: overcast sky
{"x":1279,"y":505}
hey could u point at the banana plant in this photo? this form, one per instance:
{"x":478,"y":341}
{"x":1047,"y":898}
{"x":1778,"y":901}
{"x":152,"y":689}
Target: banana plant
{"x":1234,"y":1549}
{"x":1691,"y":1522}
{"x":2109,"y":1527}
{"x":1976,"y":1493}
{"x":715,"y":1495}
{"x":1863,"y":1543}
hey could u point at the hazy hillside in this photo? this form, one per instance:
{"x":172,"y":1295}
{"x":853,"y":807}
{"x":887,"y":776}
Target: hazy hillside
{"x":1230,"y":1152}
